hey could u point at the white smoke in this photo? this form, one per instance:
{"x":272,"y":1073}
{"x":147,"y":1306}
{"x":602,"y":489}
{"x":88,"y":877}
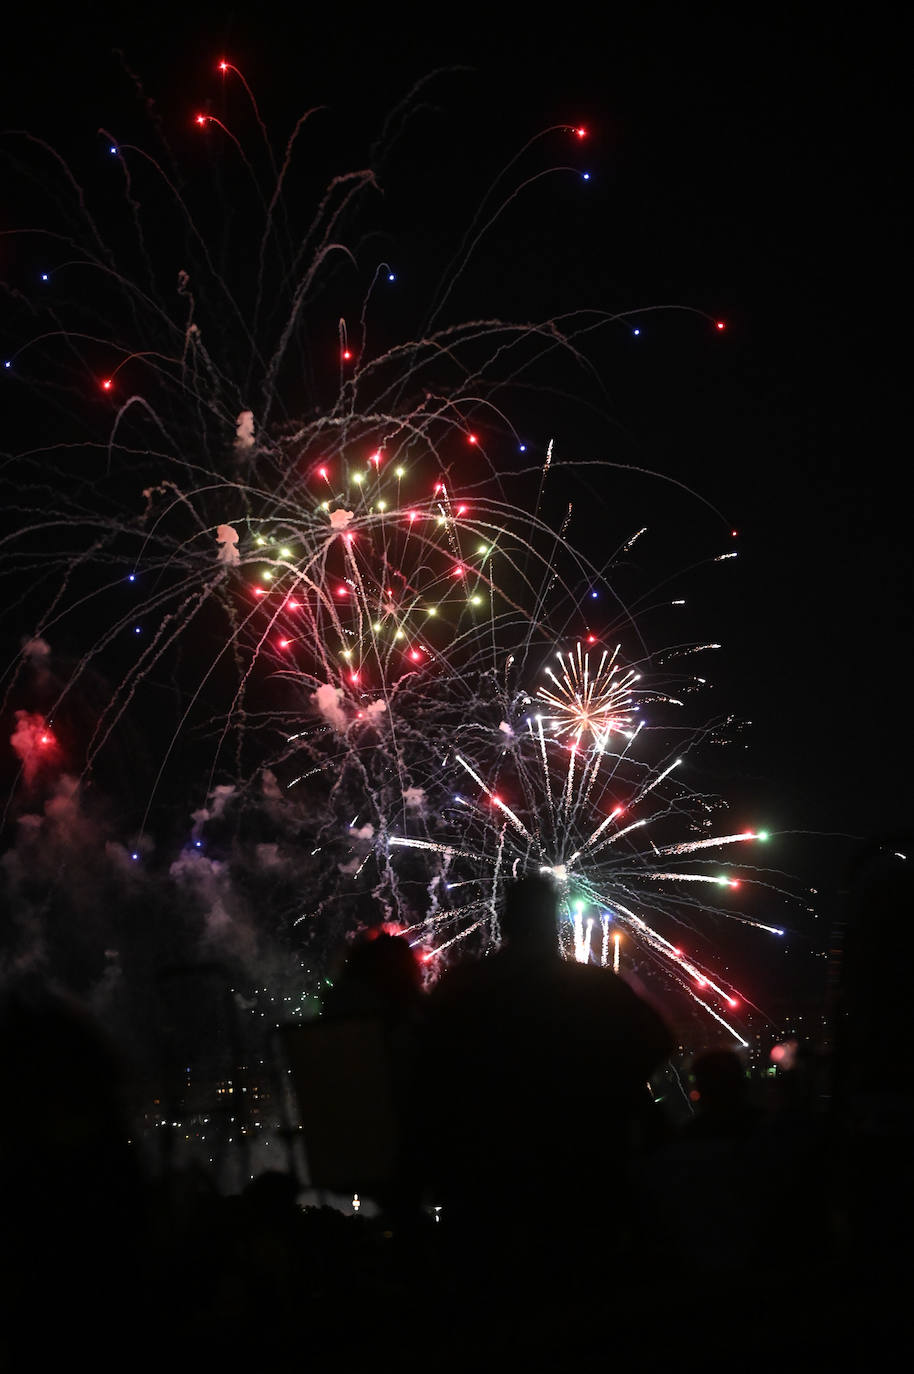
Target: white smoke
{"x":269,"y":785}
{"x":339,"y":519}
{"x":227,"y":539}
{"x":106,"y":988}
{"x":414,"y":798}
{"x":244,"y":431}
{"x":225,"y":927}
{"x":268,"y":856}
{"x":374,"y":710}
{"x":362,"y":838}
{"x":36,"y":649}
{"x":327,"y":700}
{"x":219,"y":799}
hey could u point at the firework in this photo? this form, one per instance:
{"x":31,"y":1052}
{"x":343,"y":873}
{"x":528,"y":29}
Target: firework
{"x":600,"y":818}
{"x":585,"y":699}
{"x":295,"y":562}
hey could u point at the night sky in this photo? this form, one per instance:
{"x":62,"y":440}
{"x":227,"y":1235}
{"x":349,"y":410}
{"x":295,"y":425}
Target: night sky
{"x":749,"y":168}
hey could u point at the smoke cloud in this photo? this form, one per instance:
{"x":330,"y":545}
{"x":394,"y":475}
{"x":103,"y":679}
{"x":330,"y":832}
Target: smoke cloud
{"x":327,"y":700}
{"x":244,"y":431}
{"x":33,"y":743}
{"x":227,"y":539}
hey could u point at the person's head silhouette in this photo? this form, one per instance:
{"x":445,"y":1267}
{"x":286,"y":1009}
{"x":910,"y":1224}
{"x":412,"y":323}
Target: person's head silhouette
{"x":529,"y":922}
{"x":720,"y":1080}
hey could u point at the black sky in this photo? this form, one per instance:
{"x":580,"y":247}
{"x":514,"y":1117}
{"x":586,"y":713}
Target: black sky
{"x":753,"y":168}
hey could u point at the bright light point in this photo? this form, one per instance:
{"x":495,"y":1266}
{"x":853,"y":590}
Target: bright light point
{"x":636,"y":332}
{"x":347,"y":653}
{"x":134,"y":857}
{"x":581,"y":132}
{"x":268,"y":576}
{"x":223,"y":66}
{"x":7,"y":363}
{"x":201,"y":120}
{"x":376,"y":626}
{"x":112,"y":150}
{"x":131,"y":577}
{"x":440,"y":519}
{"x":375,"y":457}
{"x":734,"y":882}
{"x":734,"y":534}
{"x":391,"y":276}
{"x":341,"y":591}
{"x":284,"y":643}
{"x":472,"y":439}
{"x":722,"y":882}
{"x":433,"y":610}
{"x":347,"y":354}
{"x":461,"y":510}
{"x":353,"y":677}
{"x":483,"y":548}
{"x":414,"y":653}
{"x":325,"y":505}
{"x":412,"y":516}
{"x":44,"y":276}
{"x":732,"y":1002}
{"x":294,"y":605}
{"x":260,"y":539}
{"x":382,"y":505}
{"x":458,"y":571}
{"x":439,"y":486}
{"x":137,"y":630}
{"x":399,"y":472}
{"x":591,"y":639}
{"x":585,"y":176}
{"x":523,"y":448}
{"x":761,"y":835}
{"x":322,"y":472}
{"x":400,"y":634}
{"x":476,"y":600}
{"x":285,"y":553}
{"x":107,"y":384}
{"x":594,"y":595}
{"x":359,"y":478}
{"x":721,"y":325}
{"x":260,"y":591}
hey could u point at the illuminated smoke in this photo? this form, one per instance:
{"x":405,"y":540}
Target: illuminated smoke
{"x":327,"y":700}
{"x":227,"y":539}
{"x":244,"y":432}
{"x":33,"y":743}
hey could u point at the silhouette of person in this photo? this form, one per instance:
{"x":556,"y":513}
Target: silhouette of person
{"x":378,"y":977}
{"x":723,"y":1110}
{"x":534,"y":1074}
{"x":354,"y":1075}
{"x":873,"y":1094}
{"x":73,"y":1224}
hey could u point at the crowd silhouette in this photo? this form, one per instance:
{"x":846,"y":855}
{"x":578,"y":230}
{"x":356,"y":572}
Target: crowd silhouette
{"x":529,"y":1197}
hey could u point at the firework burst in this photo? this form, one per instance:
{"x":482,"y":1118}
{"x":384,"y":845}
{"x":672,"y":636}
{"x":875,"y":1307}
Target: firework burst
{"x":588,"y":700}
{"x":298,"y":559}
